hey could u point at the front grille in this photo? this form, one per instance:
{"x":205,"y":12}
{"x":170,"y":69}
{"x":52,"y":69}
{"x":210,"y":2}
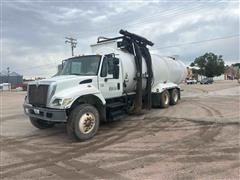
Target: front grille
{"x":37,"y":95}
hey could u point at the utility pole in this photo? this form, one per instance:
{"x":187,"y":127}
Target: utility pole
{"x":72,"y":42}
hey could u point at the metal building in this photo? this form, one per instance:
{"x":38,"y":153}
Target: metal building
{"x":13,"y":78}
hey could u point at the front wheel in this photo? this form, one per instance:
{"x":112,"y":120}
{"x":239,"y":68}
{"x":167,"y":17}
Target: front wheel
{"x":41,"y":124}
{"x":83,"y":122}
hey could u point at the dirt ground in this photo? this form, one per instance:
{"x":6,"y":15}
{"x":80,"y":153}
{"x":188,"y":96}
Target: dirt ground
{"x":196,"y":139}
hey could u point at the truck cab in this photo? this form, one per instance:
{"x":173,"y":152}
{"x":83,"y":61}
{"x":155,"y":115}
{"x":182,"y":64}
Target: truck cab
{"x":86,"y":81}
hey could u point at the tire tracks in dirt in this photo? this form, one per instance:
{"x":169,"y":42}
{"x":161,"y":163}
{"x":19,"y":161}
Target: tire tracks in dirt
{"x":134,"y":159}
{"x":16,"y":168}
{"x":12,"y":117}
{"x":115,"y":136}
{"x":206,"y":136}
{"x":50,"y":160}
{"x":95,"y":171}
{"x":211,"y":111}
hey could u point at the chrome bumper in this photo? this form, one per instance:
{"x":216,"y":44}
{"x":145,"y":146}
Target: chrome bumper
{"x":47,"y":114}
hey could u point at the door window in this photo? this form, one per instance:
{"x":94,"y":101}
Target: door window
{"x":104,"y":68}
{"x":107,"y":66}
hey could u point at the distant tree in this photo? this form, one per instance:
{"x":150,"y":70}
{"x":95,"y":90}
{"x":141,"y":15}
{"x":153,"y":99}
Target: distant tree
{"x":192,"y":64}
{"x":236,"y":65}
{"x":210,"y":64}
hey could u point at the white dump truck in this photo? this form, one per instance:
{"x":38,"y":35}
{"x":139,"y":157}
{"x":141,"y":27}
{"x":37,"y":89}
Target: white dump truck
{"x":120,"y":77}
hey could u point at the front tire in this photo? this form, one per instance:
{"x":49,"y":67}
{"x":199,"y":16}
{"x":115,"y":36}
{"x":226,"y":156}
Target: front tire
{"x":41,"y":124}
{"x":83,"y":122}
{"x":164,"y":99}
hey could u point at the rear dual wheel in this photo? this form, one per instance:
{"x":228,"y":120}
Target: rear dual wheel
{"x":174,"y":96}
{"x":169,"y":97}
{"x":164,"y":99}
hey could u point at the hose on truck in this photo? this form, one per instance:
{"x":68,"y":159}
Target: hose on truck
{"x":137,"y":46}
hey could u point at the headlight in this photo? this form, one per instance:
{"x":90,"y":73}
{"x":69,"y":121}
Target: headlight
{"x":62,"y":102}
{"x":57,"y":102}
{"x":66,"y":101}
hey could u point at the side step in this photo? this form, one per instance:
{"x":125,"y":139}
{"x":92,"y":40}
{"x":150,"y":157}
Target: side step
{"x":117,"y":115}
{"x":115,"y":105}
{"x":116,"y":111}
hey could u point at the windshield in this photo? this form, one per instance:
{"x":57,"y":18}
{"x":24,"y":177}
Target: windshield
{"x":84,"y":65}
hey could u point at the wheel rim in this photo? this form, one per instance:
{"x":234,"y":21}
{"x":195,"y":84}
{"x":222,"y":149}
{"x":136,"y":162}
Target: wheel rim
{"x":87,"y":122}
{"x":166,"y":97}
{"x":175,"y":97}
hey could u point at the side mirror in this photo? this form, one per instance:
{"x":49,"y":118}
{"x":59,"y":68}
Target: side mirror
{"x":116,"y":71}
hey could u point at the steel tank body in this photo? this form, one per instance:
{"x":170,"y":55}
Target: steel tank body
{"x":165,"y":69}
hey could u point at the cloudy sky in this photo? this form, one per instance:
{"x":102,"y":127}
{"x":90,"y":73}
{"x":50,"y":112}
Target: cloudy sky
{"x":33,"y":32}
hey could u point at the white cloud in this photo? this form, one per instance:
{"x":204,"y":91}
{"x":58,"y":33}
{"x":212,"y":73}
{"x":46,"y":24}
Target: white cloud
{"x":98,"y":19}
{"x":34,"y":32}
{"x":31,"y":60}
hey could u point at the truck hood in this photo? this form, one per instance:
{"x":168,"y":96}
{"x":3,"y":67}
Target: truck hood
{"x":67,"y":81}
{"x":66,"y":78}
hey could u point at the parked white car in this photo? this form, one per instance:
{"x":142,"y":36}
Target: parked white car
{"x":191,"y":81}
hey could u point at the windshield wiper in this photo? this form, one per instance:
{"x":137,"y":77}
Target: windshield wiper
{"x":75,"y":74}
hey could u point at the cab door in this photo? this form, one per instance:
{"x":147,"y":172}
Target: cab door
{"x":110,"y":77}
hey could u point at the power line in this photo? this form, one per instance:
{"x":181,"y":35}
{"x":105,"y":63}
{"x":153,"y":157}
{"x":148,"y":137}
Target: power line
{"x":172,"y":12}
{"x":165,"y":12}
{"x":182,"y":11}
{"x":198,"y":42}
{"x":187,"y":11}
{"x":166,"y":47}
{"x":148,"y":19}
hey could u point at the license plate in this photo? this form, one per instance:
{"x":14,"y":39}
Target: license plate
{"x":36,"y":111}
